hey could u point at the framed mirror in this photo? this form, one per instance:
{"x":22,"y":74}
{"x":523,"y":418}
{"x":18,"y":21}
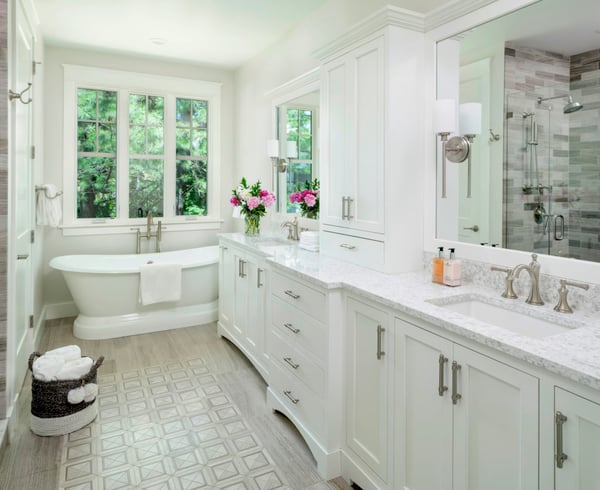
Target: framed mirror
{"x":536,"y":162}
{"x":296,"y":130}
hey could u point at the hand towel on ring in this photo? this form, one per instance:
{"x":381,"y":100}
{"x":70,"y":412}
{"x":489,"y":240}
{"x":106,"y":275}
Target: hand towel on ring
{"x":160,"y":283}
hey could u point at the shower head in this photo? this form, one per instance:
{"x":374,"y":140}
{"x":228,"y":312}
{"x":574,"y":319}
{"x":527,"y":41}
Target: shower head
{"x":571,"y":105}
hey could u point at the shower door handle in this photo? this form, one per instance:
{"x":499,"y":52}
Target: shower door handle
{"x":559,"y":227}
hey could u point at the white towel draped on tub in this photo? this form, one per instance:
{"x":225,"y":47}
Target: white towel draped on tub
{"x":48,"y":209}
{"x":160,"y":283}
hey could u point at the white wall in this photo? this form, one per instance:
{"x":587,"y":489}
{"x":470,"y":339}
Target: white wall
{"x":55,"y":244}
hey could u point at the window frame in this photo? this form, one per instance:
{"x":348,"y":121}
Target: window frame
{"x":126,"y":83}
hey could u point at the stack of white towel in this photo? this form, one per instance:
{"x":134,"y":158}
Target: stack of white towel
{"x":309,"y":240}
{"x":66,"y":363}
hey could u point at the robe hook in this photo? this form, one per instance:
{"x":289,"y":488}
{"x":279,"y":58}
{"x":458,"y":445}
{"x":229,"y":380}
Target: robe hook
{"x":19,"y":95}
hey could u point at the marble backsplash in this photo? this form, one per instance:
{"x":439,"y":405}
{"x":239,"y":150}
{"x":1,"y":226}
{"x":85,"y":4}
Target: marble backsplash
{"x":480,"y":273}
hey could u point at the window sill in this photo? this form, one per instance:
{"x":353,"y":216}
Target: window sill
{"x":106,"y":227}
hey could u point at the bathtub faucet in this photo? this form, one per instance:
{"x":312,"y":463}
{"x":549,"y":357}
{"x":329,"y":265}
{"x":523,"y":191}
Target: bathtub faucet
{"x":149,"y":234}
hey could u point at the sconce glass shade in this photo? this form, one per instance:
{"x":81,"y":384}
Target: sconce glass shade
{"x":470,"y":118}
{"x":273,"y":148}
{"x":292,"y":149}
{"x":444,"y":116}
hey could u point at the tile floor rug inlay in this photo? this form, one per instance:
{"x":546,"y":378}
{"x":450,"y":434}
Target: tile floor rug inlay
{"x":166,"y":427}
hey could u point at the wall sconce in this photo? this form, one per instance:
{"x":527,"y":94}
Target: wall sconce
{"x":273,"y":151}
{"x":458,"y":148}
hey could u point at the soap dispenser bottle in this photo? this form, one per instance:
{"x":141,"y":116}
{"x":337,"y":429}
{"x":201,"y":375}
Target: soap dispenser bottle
{"x":452,"y":270}
{"x":438,"y":267}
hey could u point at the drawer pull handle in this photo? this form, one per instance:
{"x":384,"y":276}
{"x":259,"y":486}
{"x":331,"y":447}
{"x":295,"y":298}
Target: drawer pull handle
{"x":455,"y":394}
{"x":561,"y":457}
{"x":441,"y":388}
{"x":291,"y":294}
{"x":288,"y":393}
{"x":289,"y":361}
{"x":380,"y":352}
{"x":259,"y":284}
{"x":289,"y":326}
{"x":347,"y":246}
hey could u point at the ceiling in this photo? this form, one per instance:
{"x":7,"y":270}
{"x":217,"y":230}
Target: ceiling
{"x":220,"y":32}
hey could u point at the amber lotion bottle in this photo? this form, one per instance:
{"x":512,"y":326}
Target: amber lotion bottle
{"x":452,"y":270}
{"x":438,"y":267}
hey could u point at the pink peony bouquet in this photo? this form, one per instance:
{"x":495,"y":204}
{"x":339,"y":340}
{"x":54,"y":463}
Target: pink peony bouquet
{"x":253,"y":203}
{"x":308,"y":199}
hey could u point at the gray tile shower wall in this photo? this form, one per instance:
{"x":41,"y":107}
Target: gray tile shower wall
{"x":584,"y":150}
{"x":3,"y":197}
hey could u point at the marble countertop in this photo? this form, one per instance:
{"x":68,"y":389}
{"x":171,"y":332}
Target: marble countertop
{"x":574,"y":353}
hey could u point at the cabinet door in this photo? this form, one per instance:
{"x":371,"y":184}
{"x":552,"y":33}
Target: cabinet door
{"x":240,"y":317}
{"x":424,"y":409}
{"x":255,"y":327}
{"x":495,"y":425}
{"x":580,"y":442}
{"x":335,"y":120}
{"x":367,"y":374}
{"x":366,"y":144}
{"x":227,"y":273}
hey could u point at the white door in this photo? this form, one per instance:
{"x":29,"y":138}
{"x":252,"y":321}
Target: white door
{"x":495,"y":425}
{"x":240,"y":316}
{"x":367,"y":375}
{"x":226,"y":287}
{"x":20,"y":295}
{"x":580,"y":432}
{"x":424,"y":410}
{"x":474,"y":212}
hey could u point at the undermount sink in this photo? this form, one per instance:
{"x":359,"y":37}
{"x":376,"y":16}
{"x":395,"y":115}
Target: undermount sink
{"x":274,"y":242}
{"x":515,"y":321}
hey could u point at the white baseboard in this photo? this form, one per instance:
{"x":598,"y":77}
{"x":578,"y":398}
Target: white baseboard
{"x":60,"y":310}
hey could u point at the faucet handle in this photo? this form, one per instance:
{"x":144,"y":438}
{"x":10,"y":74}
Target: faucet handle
{"x":509,"y":292}
{"x":563,"y":305}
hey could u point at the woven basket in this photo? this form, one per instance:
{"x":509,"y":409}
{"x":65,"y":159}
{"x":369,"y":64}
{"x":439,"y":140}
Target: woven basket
{"x":51,"y":412}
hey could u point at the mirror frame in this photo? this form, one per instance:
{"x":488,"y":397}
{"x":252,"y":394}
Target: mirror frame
{"x":302,"y":85}
{"x":556,"y":266}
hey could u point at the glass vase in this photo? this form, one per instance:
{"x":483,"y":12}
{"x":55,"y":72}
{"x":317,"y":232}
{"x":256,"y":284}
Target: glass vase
{"x":252,"y":225}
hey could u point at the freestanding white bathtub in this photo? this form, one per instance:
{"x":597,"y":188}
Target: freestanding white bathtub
{"x":105,"y":288}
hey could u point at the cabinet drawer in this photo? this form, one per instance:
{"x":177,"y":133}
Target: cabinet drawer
{"x":360,"y":251}
{"x":303,"y":297}
{"x":308,"y":407}
{"x":297,"y":363}
{"x":298,"y":328}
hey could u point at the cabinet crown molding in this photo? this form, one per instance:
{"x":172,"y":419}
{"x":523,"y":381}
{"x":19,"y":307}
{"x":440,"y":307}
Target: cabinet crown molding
{"x":407,"y":19}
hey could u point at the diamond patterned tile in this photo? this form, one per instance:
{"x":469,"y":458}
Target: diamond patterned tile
{"x":169,"y":427}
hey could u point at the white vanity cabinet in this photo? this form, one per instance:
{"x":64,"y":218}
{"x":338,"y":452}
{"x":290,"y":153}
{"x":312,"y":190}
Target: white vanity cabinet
{"x":368,"y":369}
{"x":305,"y":365}
{"x":577,"y":442}
{"x":243,"y":284}
{"x":370,"y":150}
{"x":475,"y":419}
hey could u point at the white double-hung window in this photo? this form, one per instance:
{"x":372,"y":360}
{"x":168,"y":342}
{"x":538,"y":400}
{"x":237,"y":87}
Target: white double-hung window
{"x":136,"y":144}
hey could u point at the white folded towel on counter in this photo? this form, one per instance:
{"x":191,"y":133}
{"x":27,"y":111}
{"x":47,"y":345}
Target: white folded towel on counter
{"x":45,"y":368}
{"x":160,"y":283}
{"x":68,"y":353}
{"x":309,"y":240}
{"x":75,"y":369}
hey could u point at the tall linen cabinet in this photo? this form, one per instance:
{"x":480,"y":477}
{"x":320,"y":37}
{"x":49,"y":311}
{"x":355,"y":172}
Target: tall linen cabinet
{"x":372,"y":147}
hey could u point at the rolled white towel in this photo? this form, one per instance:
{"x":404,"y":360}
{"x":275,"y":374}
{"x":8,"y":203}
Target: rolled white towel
{"x":68,"y":353}
{"x":91,"y":391}
{"x":75,"y":369}
{"x":76,"y":395}
{"x":47,"y":368}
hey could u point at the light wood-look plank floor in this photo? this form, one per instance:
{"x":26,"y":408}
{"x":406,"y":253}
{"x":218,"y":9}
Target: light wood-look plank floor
{"x":30,"y":462}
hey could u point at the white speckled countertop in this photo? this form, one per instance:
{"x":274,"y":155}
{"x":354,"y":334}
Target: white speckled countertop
{"x":574,"y":354}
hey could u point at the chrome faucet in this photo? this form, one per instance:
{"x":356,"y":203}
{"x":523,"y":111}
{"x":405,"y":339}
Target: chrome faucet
{"x":533,"y":268}
{"x":563,"y":305}
{"x":149,"y":225}
{"x":292,"y":227}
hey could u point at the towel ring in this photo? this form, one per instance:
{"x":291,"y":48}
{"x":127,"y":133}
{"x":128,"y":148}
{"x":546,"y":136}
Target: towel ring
{"x":39,"y":188}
